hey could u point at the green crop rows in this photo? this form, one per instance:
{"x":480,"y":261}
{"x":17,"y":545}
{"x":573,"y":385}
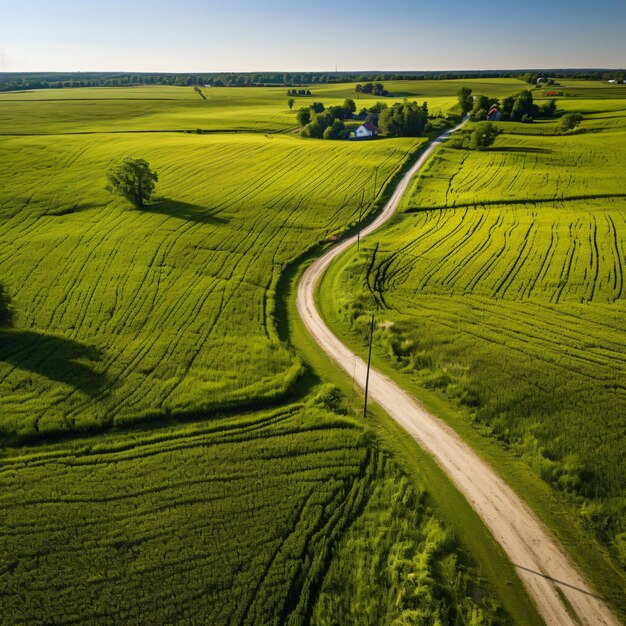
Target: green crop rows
{"x":502,"y":285}
{"x":241,"y":519}
{"x":132,"y":489}
{"x":126,"y":315}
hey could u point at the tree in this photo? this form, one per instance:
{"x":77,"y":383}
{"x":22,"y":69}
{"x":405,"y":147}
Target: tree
{"x":466,"y":102}
{"x":290,"y":103}
{"x":407,"y":119}
{"x":524,"y":106}
{"x":570,"y":121}
{"x":334,"y":130}
{"x":303,"y":116}
{"x":133,"y":180}
{"x":349,"y":104}
{"x":548,"y":109}
{"x":318,"y":107}
{"x":507,"y":105}
{"x":483,"y":136}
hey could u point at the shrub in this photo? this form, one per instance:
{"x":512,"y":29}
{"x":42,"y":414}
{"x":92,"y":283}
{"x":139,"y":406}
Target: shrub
{"x":483,"y":136}
{"x":570,"y":121}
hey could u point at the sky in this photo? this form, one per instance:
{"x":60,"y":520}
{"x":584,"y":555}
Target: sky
{"x":316,"y":35}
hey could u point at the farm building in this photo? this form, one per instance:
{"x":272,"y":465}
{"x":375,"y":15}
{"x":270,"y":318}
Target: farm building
{"x":494,"y":114}
{"x":366,"y":130}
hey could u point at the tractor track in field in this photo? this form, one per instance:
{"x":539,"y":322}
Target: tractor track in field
{"x":558,"y":589}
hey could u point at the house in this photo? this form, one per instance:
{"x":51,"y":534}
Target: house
{"x":494,"y":114}
{"x":366,"y":130}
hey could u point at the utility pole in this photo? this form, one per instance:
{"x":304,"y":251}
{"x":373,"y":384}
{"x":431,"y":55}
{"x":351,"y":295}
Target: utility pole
{"x":369,"y":360}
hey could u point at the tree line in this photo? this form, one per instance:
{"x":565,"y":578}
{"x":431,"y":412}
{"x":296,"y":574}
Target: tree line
{"x":14,"y":81}
{"x":377,"y":89}
{"x":517,"y":108}
{"x":402,"y":119}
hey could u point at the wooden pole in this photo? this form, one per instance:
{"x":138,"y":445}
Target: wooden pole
{"x":369,"y":360}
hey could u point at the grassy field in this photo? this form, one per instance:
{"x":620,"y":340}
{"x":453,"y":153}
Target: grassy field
{"x":500,"y":286}
{"x":125,"y":315}
{"x":260,"y":520}
{"x":257,"y":109}
{"x":139,"y":481}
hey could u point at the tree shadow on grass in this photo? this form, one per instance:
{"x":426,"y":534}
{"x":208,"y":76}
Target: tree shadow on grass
{"x":184,"y":211}
{"x":57,"y":358}
{"x":75,"y":208}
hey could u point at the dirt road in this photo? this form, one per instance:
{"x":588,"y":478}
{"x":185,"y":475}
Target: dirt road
{"x":540,"y":561}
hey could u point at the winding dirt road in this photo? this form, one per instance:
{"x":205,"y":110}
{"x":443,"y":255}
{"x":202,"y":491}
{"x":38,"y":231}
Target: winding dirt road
{"x":540,"y":561}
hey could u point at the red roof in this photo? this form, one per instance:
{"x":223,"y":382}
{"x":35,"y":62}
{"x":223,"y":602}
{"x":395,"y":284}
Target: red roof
{"x":371,"y":127}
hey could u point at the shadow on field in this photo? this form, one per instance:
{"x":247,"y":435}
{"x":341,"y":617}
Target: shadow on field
{"x":57,"y":358}
{"x":522,"y":150}
{"x":184,"y":211}
{"x":75,"y":208}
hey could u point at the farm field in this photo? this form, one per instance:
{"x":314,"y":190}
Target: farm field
{"x":230,"y":522}
{"x":139,"y":477}
{"x":124,"y":315}
{"x":253,"y":109}
{"x":500,"y":286}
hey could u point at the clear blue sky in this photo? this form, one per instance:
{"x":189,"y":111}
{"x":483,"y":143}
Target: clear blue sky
{"x":239,"y":35}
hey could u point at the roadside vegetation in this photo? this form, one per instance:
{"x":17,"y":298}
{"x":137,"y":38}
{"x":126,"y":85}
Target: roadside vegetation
{"x":500,"y":287}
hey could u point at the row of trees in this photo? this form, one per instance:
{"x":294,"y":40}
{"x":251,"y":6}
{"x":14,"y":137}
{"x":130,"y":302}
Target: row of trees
{"x":517,"y":108}
{"x":321,"y":123}
{"x":377,"y":89}
{"x":298,"y":92}
{"x":44,"y":80}
{"x":404,"y":119}
{"x":533,"y":77}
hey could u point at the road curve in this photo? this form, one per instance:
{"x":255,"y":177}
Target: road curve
{"x":537,"y":556}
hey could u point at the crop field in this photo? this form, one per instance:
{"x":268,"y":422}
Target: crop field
{"x":227,"y":523}
{"x":139,"y":479}
{"x":255,"y":109}
{"x":124,"y":315}
{"x":501,"y":284}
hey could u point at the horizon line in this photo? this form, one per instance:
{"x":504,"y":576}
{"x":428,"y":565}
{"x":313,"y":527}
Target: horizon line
{"x":322,"y":71}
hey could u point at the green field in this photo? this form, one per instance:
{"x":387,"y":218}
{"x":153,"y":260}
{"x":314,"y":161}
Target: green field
{"x":501,"y":286}
{"x":140,"y":479}
{"x":124,"y":315}
{"x":233,"y":522}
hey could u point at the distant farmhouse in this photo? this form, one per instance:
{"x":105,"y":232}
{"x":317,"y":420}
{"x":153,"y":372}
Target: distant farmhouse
{"x":494,"y":114}
{"x":366,"y":131}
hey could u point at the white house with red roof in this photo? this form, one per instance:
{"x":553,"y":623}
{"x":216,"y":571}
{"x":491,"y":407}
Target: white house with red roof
{"x":366,"y":131}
